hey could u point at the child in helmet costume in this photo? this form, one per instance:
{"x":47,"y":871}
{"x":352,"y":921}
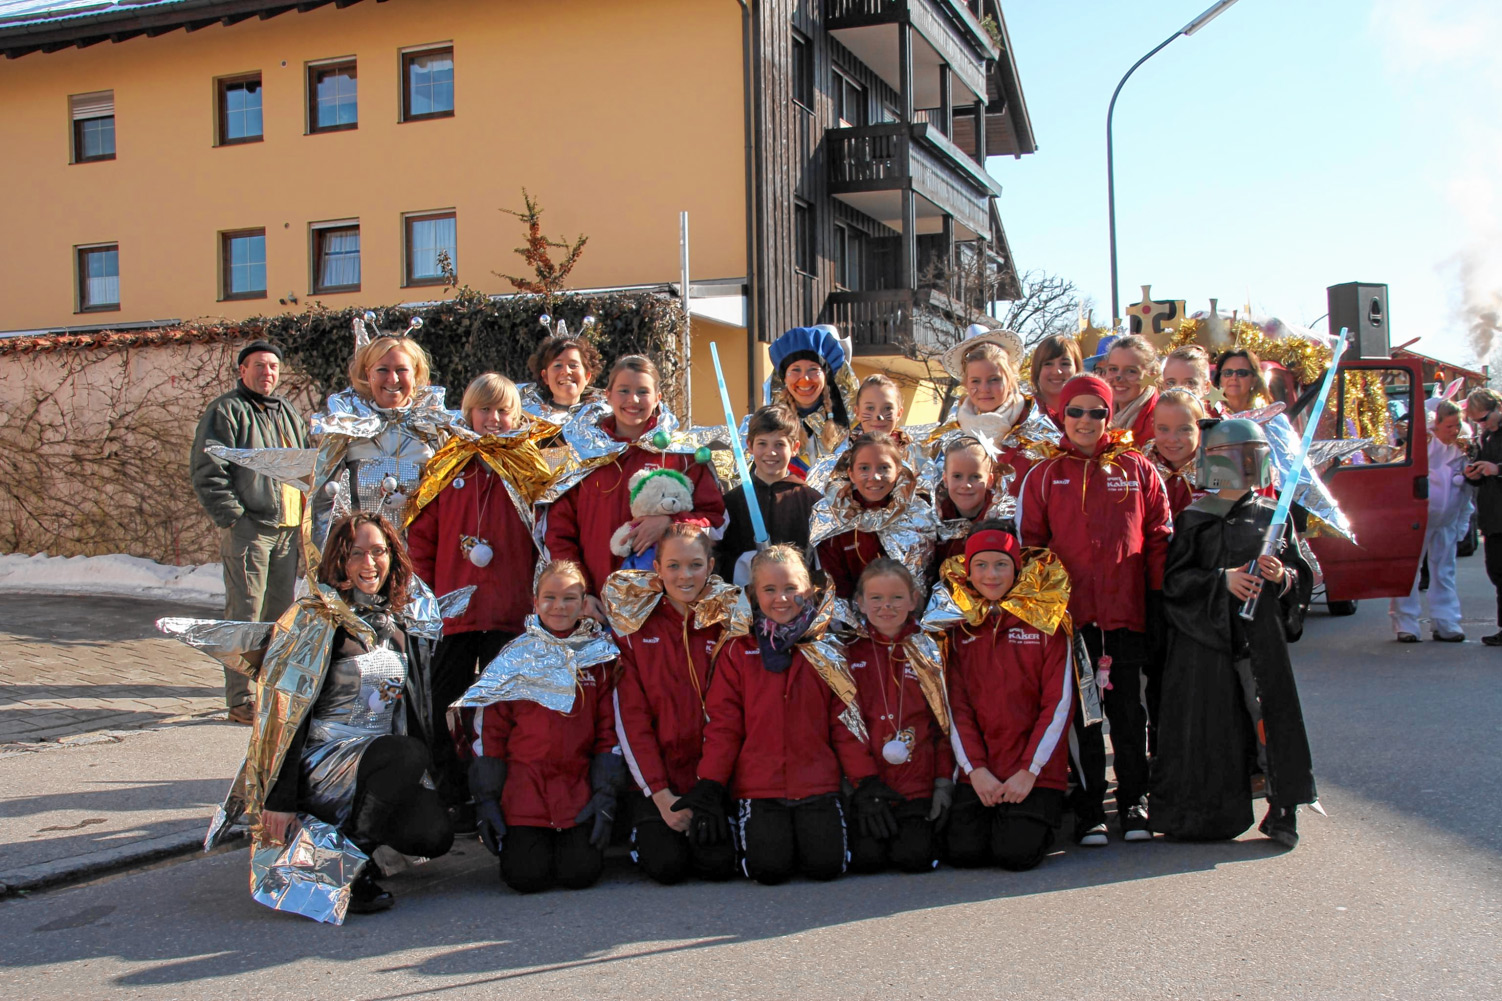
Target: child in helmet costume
{"x":1230,"y":706}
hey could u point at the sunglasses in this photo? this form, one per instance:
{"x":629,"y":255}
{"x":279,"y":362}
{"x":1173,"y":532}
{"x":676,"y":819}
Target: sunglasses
{"x":1239,"y":373}
{"x":1094,"y":413}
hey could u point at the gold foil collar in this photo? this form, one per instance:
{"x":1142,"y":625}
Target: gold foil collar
{"x":1039,"y":597}
{"x":630,"y":596}
{"x":513,"y":457}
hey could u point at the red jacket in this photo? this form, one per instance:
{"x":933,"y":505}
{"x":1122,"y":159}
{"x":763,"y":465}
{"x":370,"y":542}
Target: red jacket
{"x":1009,"y":692}
{"x":1142,"y":428}
{"x":581,"y":522}
{"x":844,"y":556}
{"x":659,"y":711}
{"x":1109,"y":525}
{"x":871,"y":665}
{"x":1181,"y":490}
{"x":548,"y":752}
{"x":954,"y":547}
{"x":776,"y":736}
{"x":433,"y":540}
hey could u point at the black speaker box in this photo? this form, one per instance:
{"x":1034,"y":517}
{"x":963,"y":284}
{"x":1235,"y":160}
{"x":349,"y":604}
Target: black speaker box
{"x":1362,"y":308}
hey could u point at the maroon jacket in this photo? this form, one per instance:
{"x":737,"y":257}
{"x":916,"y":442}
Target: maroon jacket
{"x":871,"y":665}
{"x":548,"y":752}
{"x":954,"y":547}
{"x":659,"y":711}
{"x":1009,"y":693}
{"x":433,"y":540}
{"x":581,"y":522}
{"x":776,"y":736}
{"x":1110,"y":524}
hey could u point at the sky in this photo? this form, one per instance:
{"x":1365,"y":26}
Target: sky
{"x":1287,"y":146}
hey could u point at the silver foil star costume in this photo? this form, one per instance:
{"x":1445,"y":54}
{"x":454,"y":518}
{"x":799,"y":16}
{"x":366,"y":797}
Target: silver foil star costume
{"x":540,"y":667}
{"x":906,"y":525}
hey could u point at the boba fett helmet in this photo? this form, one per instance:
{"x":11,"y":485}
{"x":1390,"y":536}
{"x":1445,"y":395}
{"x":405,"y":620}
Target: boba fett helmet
{"x":1234,"y":455}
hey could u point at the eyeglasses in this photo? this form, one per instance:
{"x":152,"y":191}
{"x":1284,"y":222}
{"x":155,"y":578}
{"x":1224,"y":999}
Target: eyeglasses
{"x":1239,"y":373}
{"x":1094,"y":413}
{"x":375,"y":553}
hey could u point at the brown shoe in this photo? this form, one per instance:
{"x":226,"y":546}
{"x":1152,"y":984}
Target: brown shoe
{"x":244,"y":714}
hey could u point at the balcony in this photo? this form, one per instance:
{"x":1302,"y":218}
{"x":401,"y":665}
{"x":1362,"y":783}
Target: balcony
{"x":898,"y":322}
{"x":871,"y":165}
{"x":948,"y":33}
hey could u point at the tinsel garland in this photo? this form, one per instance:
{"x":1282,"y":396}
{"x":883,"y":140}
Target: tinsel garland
{"x":1305,"y":359}
{"x":1365,"y":407}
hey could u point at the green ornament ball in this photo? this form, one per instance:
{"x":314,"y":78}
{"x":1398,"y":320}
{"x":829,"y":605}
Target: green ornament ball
{"x":661,"y":440}
{"x":702,"y":455}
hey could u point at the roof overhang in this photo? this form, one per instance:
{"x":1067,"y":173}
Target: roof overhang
{"x":1009,"y":129}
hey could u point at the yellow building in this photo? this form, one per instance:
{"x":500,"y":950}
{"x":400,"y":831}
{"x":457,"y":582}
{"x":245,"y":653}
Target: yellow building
{"x":178,"y":159}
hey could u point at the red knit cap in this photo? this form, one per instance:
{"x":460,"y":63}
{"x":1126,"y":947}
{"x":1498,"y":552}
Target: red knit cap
{"x":991,"y":540}
{"x":1085,"y":385}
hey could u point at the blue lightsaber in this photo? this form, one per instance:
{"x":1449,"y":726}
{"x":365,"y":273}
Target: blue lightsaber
{"x":1275,"y":529}
{"x":758,"y":527}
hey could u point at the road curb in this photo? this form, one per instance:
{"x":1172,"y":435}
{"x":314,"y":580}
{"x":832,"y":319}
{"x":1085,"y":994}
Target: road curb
{"x":48,"y":875}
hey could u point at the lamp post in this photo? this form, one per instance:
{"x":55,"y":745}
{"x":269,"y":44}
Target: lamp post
{"x":1209,"y":15}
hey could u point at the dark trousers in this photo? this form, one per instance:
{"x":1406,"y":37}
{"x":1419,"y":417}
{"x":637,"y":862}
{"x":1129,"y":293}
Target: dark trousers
{"x":392,"y":804}
{"x":778,"y":839}
{"x":540,"y":858}
{"x":668,"y":856}
{"x":1087,"y":771}
{"x":1123,"y":703}
{"x":260,"y":578}
{"x":1493,"y":556}
{"x":911,"y":850}
{"x":1014,"y":836}
{"x":457,"y":661}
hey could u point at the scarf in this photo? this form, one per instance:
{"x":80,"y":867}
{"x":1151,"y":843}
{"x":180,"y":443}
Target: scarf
{"x":1126,"y":416}
{"x":997,"y":423}
{"x":777,"y":640}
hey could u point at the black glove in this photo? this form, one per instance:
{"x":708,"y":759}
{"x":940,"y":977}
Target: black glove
{"x":487,"y":779}
{"x":872,"y":804}
{"x":707,"y":800}
{"x":604,"y":772}
{"x":938,"y":812}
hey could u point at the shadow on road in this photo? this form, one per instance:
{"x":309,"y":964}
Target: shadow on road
{"x":89,"y":621}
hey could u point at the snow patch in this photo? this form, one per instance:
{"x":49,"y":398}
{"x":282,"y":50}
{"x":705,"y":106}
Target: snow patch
{"x":128,"y":576}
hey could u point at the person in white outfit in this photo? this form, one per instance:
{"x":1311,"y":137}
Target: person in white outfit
{"x":1449,"y":515}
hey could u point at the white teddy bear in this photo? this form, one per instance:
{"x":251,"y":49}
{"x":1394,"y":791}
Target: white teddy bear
{"x":653,"y":491}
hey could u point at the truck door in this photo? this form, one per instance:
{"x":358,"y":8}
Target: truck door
{"x":1384,"y":490}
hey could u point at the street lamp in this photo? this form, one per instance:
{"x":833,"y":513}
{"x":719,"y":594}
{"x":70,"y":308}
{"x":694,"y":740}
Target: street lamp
{"x":1209,"y":15}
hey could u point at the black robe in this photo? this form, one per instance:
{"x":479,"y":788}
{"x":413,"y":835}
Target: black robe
{"x":1207,"y":744}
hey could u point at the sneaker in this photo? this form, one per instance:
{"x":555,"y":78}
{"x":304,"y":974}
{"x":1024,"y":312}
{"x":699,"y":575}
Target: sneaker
{"x":366,"y":896}
{"x":1281,"y":824}
{"x":1449,"y":637}
{"x":244,"y":714}
{"x":1134,"y":825}
{"x":1091,"y":837}
{"x":1407,"y":638}
{"x":1495,"y":639}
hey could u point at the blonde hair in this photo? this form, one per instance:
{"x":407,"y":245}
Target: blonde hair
{"x":364,"y":358}
{"x":784,"y":555}
{"x":997,"y":356}
{"x":1152,"y":367}
{"x":1178,"y":397}
{"x":493,"y":390}
{"x":877,"y":381}
{"x":567,"y":569}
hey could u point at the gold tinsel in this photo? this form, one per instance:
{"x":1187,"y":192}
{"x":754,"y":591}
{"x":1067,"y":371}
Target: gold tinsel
{"x":1365,"y":405}
{"x":1304,"y":358}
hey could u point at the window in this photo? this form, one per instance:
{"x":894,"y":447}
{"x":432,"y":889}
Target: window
{"x":243,"y":255}
{"x":849,"y":101}
{"x":849,"y":253}
{"x":336,"y":258}
{"x":427,"y":237}
{"x":98,"y":278}
{"x":803,"y":237}
{"x":332,"y":97}
{"x":93,"y":126}
{"x":803,"y":72}
{"x":427,"y":84}
{"x":240,"y":110}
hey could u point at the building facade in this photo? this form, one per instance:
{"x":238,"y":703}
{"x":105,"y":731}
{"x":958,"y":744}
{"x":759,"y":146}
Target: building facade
{"x":179,"y":159}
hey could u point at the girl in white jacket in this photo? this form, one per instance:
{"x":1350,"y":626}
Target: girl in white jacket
{"x":1449,"y":516}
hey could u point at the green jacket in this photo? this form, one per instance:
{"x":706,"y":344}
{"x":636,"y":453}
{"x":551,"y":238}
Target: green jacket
{"x":227,"y":491}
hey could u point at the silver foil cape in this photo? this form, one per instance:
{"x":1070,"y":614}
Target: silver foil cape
{"x":310,"y":874}
{"x":943,"y":614}
{"x":1283,"y":441}
{"x":536,"y":406}
{"x":591,"y":447}
{"x":236,"y":645}
{"x":293,"y":466}
{"x":907,"y":526}
{"x":916,"y":456}
{"x":540,"y":667}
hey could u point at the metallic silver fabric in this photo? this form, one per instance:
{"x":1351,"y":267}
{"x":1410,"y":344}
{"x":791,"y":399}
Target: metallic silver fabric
{"x":591,"y":447}
{"x":545,"y":410}
{"x":239,"y":646}
{"x":916,"y":456}
{"x":906,"y":526}
{"x":293,"y":466}
{"x":1312,"y":494}
{"x":540,"y":667}
{"x":359,"y":702}
{"x":310,"y":874}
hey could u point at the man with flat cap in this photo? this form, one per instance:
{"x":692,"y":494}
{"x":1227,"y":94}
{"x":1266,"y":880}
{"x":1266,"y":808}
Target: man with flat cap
{"x":258,"y":517}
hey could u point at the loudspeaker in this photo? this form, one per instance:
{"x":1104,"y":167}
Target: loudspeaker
{"x":1361,"y":307}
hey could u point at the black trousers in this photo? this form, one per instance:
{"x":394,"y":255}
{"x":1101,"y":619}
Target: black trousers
{"x":1493,"y":556}
{"x":393,"y":806}
{"x":1014,"y":836}
{"x":1123,"y":703}
{"x":779,"y":839}
{"x":668,"y":856}
{"x":911,"y":850}
{"x":539,"y":858}
{"x":456,"y":664}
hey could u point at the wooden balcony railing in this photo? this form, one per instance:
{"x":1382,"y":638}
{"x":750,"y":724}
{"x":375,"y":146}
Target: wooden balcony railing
{"x":876,"y":322}
{"x":894,"y":156}
{"x":960,"y":17}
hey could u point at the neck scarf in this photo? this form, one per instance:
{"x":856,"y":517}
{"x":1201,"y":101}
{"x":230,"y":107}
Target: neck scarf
{"x":776,"y":641}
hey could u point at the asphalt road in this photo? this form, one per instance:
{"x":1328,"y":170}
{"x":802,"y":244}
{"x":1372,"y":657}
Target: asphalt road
{"x":1395,"y":896}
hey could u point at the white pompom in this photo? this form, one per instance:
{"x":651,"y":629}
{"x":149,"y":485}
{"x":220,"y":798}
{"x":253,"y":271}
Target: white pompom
{"x":1457,"y":479}
{"x":896,"y":752}
{"x":331,"y":488}
{"x":458,"y":483}
{"x":388,"y":484}
{"x":481,"y":554}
